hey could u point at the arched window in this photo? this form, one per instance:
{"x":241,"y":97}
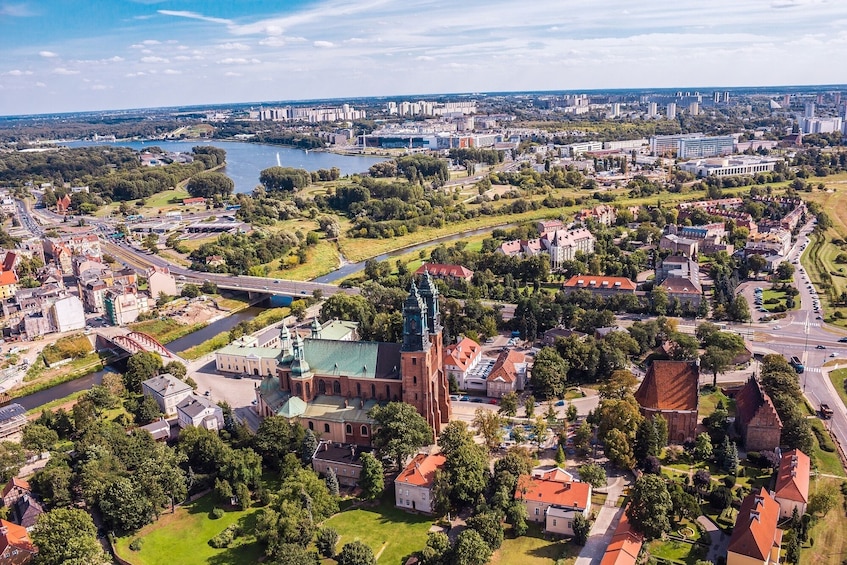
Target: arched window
{"x":311,"y":425}
{"x":321,"y":387}
{"x":336,"y":387}
{"x":298,"y":389}
{"x":373,"y":390}
{"x":358,"y":389}
{"x":365,"y":431}
{"x":326,"y":428}
{"x":308,"y":390}
{"x":348,"y":429}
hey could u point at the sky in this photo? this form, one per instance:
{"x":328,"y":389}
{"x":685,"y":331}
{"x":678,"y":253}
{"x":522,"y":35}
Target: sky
{"x":81,"y":55}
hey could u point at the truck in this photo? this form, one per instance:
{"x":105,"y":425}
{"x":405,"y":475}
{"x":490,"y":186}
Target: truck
{"x":826,"y":411}
{"x":798,"y":366}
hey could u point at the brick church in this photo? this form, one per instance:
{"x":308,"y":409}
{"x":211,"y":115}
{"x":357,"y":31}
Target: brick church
{"x":330,"y":385}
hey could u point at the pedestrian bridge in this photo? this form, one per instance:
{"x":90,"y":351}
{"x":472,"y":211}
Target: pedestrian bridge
{"x":135,"y":342}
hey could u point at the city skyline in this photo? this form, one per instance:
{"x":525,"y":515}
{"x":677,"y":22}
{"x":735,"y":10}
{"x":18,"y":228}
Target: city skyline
{"x":102,"y":55}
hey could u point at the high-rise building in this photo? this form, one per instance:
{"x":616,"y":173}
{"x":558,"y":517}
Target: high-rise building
{"x":819,"y":99}
{"x":810,"y":110}
{"x":694,"y":109}
{"x":837,"y":98}
{"x":616,"y":110}
{"x":716,"y":97}
{"x":726,"y":96}
{"x":652,"y":110}
{"x":786,"y":101}
{"x":671,"y":111}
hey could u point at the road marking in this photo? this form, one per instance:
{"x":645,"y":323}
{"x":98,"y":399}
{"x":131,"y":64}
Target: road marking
{"x":813,"y":369}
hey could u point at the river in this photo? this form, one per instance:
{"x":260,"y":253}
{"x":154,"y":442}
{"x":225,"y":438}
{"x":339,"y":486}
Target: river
{"x":244,"y":161}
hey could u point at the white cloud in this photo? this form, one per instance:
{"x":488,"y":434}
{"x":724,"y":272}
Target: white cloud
{"x":273,"y":41}
{"x":40,"y":84}
{"x":172,"y":72}
{"x":324,"y":44}
{"x":194,"y":16}
{"x":238,"y":61}
{"x":100,"y":87}
{"x":234,"y":46}
{"x":232,"y":74}
{"x":151,"y":42}
{"x":16,"y":10}
{"x":47,"y":54}
{"x":424,"y":58}
{"x":64,"y":71}
{"x":154,"y":60}
{"x":17,"y":73}
{"x":138,"y":74}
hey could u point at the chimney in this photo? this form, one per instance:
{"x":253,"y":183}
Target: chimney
{"x":346,"y":404}
{"x":326,"y":446}
{"x":4,"y":530}
{"x":352,"y":452}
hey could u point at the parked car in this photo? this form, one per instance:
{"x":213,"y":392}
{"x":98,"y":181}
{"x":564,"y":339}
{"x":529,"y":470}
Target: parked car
{"x":464,"y":398}
{"x":493,"y":401}
{"x":476,"y":400}
{"x":454,"y":397}
{"x":820,"y":347}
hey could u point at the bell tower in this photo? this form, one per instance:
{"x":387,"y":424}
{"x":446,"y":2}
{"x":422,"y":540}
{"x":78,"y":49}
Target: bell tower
{"x":415,"y":335}
{"x":441,"y":388}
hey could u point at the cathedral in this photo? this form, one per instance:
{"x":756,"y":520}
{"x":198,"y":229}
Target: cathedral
{"x":330,"y":385}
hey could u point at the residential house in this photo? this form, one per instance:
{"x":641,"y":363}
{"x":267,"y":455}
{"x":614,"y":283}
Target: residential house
{"x":160,"y":281}
{"x":680,"y":277}
{"x":413,"y":486}
{"x":625,"y":545}
{"x":551,"y":335}
{"x":160,"y":429}
{"x":544,"y":226}
{"x":67,"y":314}
{"x":679,"y":245}
{"x":671,"y":388}
{"x":756,"y":539}
{"x":167,"y":391}
{"x":774,"y":242}
{"x":14,"y":490}
{"x":26,"y":511}
{"x":344,"y":460}
{"x":507,"y":375}
{"x":554,"y":498}
{"x":16,"y":547}
{"x":123,"y":304}
{"x":563,"y":245}
{"x":600,"y":285}
{"x":756,"y":419}
{"x":461,"y":359}
{"x":200,"y":412}
{"x":12,"y":419}
{"x":8,"y":284}
{"x":449,"y":273}
{"x":792,"y":483}
{"x":603,"y":214}
{"x":194,"y":200}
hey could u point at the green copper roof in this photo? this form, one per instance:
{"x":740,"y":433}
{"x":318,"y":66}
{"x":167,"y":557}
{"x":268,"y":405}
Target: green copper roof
{"x":338,"y":329}
{"x":293,"y":408}
{"x":262,"y":352}
{"x":350,"y":358}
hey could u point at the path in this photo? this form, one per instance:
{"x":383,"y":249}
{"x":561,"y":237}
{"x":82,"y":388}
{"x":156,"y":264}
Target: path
{"x":604,"y":526}
{"x":719,"y":539}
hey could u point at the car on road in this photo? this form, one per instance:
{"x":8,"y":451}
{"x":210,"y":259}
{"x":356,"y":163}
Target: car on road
{"x":560,"y":403}
{"x":493,"y":401}
{"x":818,"y":318}
{"x":842,"y":340}
{"x":820,"y":347}
{"x":276,"y":282}
{"x":464,"y":398}
{"x":454,"y":397}
{"x":833,"y":354}
{"x":476,"y":400}
{"x":777,"y":327}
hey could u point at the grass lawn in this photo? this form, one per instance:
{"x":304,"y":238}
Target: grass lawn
{"x":389,"y":532}
{"x":819,"y":257}
{"x":676,"y":550}
{"x":535,"y":549}
{"x":321,"y":259}
{"x":708,"y":403}
{"x":837,"y":377}
{"x":184,"y":538}
{"x":164,"y":329}
{"x":825,"y":461}
{"x":779,"y":295}
{"x":828,"y":533}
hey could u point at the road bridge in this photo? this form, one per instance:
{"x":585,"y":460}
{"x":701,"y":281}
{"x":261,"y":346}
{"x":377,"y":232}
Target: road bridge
{"x":135,"y":342}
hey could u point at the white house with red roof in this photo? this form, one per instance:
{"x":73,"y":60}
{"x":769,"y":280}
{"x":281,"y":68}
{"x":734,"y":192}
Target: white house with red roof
{"x":554,"y":498}
{"x":507,"y":375}
{"x":461,"y":359}
{"x":413,"y":486}
{"x":792,"y":483}
{"x":450,"y":273}
{"x":756,"y":537}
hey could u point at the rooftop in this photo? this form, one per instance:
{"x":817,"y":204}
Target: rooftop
{"x":563,"y":493}
{"x":166,"y":384}
{"x":755,"y":532}
{"x":421,"y":470}
{"x":792,"y":479}
{"x":670,"y":385}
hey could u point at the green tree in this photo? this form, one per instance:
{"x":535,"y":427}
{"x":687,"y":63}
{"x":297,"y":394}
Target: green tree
{"x":488,"y":525}
{"x":739,"y":310}
{"x":147,"y":411}
{"x":332,"y":482}
{"x":284,"y":178}
{"x":703,"y":447}
{"x":372,"y":478}
{"x":509,"y":404}
{"x":210,"y":184}
{"x":490,"y":426}
{"x":190,"y":291}
{"x":581,"y":528}
{"x":716,"y":360}
{"x":308,"y":447}
{"x":618,"y":386}
{"x":593,"y":474}
{"x":325,"y":541}
{"x":561,"y":460}
{"x":400,"y":430}
{"x":176,"y":369}
{"x":12,"y":458}
{"x":39,"y":438}
{"x":124,"y":507}
{"x":293,"y":554}
{"x":823,"y":500}
{"x":756,"y":263}
{"x":582,"y":437}
{"x":273,"y":440}
{"x":529,"y":407}
{"x":619,"y":450}
{"x":140,"y":367}
{"x":471,"y":549}
{"x":437,"y":549}
{"x":466,"y":465}
{"x":650,"y":506}
{"x":356,"y":553}
{"x":67,"y":536}
{"x":571,"y":413}
{"x":549,"y":373}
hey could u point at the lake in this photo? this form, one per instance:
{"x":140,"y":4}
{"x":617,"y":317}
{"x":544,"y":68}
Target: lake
{"x":244,"y":161}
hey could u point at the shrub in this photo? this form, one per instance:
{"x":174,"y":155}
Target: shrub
{"x":226,"y":537}
{"x":729,"y":481}
{"x":135,"y":545}
{"x":217,"y":513}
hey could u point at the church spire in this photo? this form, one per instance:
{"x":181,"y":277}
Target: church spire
{"x":429,"y":293}
{"x":415,"y":334}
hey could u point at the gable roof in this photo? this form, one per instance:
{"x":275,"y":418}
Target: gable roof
{"x":755,"y":531}
{"x":624,"y":546}
{"x":421,"y":470}
{"x":507,"y":366}
{"x":751,"y":400}
{"x":594,"y":282}
{"x":12,"y":411}
{"x":462,"y":354}
{"x":442,"y":270}
{"x":792,"y":478}
{"x":16,"y":482}
{"x":193,"y":405}
{"x":166,"y":384}
{"x":15,"y":536}
{"x":361,"y":359}
{"x":681,"y":285}
{"x":28,"y":510}
{"x":670,"y":385}
{"x":8,"y":277}
{"x":562,"y":493}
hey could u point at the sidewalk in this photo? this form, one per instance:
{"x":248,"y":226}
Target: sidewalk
{"x":719,"y":539}
{"x":604,"y":526}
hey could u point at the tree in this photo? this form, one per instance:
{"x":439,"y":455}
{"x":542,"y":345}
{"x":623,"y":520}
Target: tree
{"x":582,"y":437}
{"x":332,"y":482}
{"x":293,"y":554}
{"x":38,"y":438}
{"x":273,"y":440}
{"x":823,"y":500}
{"x":618,"y":386}
{"x":516,"y":514}
{"x":325,"y":542}
{"x":437,"y":549}
{"x":176,"y":369}
{"x":400,"y":430}
{"x":683,"y":347}
{"x":308,"y":447}
{"x":67,"y":536}
{"x":756,"y":263}
{"x":739,"y":310}
{"x":12,"y":458}
{"x":509,"y":404}
{"x":650,"y":506}
{"x":147,"y":411}
{"x":571,"y":413}
{"x":619,"y":450}
{"x":703,"y":447}
{"x":549,"y":373}
{"x":471,"y":549}
{"x":372,"y":478}
{"x":284,"y":178}
{"x":488,"y":525}
{"x":210,"y":184}
{"x":581,"y":528}
{"x":684,"y":504}
{"x":490,"y":426}
{"x":716,"y":360}
{"x":466,"y":465}
{"x":560,"y":457}
{"x":593,"y":474}
{"x":124,"y":507}
{"x":529,"y":406}
{"x":140,"y":367}
{"x":785,"y":271}
{"x":190,"y":291}
{"x":356,"y":553}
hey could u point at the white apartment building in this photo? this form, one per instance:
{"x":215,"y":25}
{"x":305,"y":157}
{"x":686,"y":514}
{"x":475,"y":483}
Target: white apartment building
{"x":167,"y":391}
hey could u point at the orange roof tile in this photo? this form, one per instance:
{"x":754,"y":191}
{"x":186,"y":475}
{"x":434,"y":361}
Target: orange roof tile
{"x":670,"y":385}
{"x":8,"y":277}
{"x":16,"y":536}
{"x":569,"y":494}
{"x":624,"y":546}
{"x":594,"y":282}
{"x":421,"y":470}
{"x":504,"y":368}
{"x":15,"y":482}
{"x":462,"y":354}
{"x":792,"y":479}
{"x":755,"y":532}
{"x":442,"y":270}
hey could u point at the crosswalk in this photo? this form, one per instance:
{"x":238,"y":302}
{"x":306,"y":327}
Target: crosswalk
{"x":810,"y":324}
{"x":813,"y":369}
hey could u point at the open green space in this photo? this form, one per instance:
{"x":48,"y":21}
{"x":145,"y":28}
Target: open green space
{"x":680,"y":551}
{"x":390,"y":532}
{"x":837,"y":377}
{"x":709,"y":402}
{"x":535,"y":548}
{"x":780,"y":296}
{"x":68,"y":347}
{"x":164,"y":329}
{"x":819,"y":258}
{"x":321,"y":259}
{"x":828,"y":532}
{"x":825,"y":457}
{"x":183,"y":538}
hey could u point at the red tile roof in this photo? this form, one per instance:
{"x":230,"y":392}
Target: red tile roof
{"x":15,"y":537}
{"x":9,"y":261}
{"x":440,"y":270}
{"x":462,"y":354}
{"x":624,"y":546}
{"x":194,"y":200}
{"x":568,"y":494}
{"x":593,"y":282}
{"x":792,"y":479}
{"x":752,"y":401}
{"x":670,"y":385}
{"x":505,"y":366}
{"x":15,"y":482}
{"x":755,"y":532}
{"x":421,"y":470}
{"x":8,"y":277}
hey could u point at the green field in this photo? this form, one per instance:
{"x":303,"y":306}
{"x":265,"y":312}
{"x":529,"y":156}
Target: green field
{"x":779,"y":295}
{"x":164,"y":329}
{"x":392,"y":534}
{"x":674,"y":550}
{"x":183,"y":538}
{"x":321,"y":259}
{"x":535,"y":549}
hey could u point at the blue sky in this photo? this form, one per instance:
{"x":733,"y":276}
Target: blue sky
{"x":74,"y":55}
